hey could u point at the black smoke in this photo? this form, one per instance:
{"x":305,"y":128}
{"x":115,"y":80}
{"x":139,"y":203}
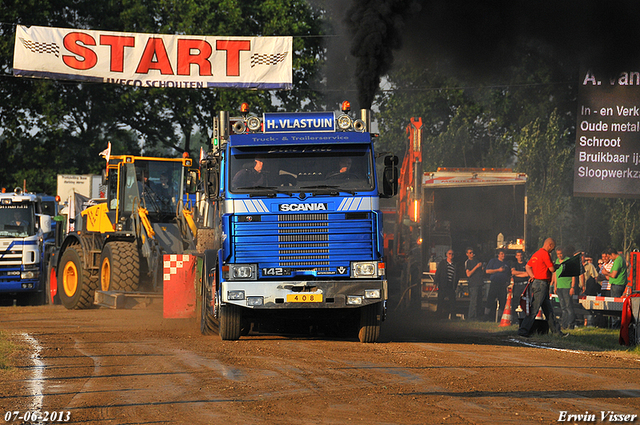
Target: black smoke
{"x":484,"y":38}
{"x":376,"y":27}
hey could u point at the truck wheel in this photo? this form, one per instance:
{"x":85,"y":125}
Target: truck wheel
{"x":208,"y":323}
{"x":120,"y":267}
{"x":77,"y":283}
{"x":370,"y":319}
{"x":230,"y":322}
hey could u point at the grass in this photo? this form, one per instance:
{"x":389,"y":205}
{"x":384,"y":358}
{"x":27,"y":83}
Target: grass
{"x":582,"y":338}
{"x":6,"y":349}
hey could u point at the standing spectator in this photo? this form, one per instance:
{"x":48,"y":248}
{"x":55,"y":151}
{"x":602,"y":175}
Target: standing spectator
{"x":475,"y":276}
{"x":617,"y":274}
{"x":500,"y":276}
{"x":540,"y":269}
{"x":565,"y":289}
{"x":589,"y":283}
{"x":599,"y":266}
{"x":607,"y":263}
{"x":447,"y":280}
{"x":520,"y":278}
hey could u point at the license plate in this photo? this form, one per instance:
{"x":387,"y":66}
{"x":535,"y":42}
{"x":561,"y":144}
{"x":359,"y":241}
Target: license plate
{"x":304,"y":298}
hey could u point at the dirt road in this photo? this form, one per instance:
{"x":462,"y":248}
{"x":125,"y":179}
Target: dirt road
{"x":134,"y":367}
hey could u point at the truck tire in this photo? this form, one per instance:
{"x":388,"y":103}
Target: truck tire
{"x":206,"y":239}
{"x":370,"y":319}
{"x":208,"y":323}
{"x":230,"y":322}
{"x":77,"y":283}
{"x":120,"y":267}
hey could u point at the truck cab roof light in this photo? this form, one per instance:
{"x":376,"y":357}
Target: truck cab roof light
{"x":344,"y":122}
{"x":254,"y":124}
{"x":345,"y":107}
{"x":244,"y":107}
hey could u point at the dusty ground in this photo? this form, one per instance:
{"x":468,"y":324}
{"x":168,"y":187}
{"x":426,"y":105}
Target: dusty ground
{"x":134,"y":367}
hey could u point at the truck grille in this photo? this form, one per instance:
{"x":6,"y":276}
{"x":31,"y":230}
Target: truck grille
{"x":320,"y":242}
{"x":11,"y":253}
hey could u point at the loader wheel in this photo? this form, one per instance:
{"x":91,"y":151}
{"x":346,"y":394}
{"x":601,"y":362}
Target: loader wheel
{"x":208,"y":323}
{"x":370,"y":319}
{"x":76,"y":283}
{"x":120,"y":267}
{"x":230,"y":322}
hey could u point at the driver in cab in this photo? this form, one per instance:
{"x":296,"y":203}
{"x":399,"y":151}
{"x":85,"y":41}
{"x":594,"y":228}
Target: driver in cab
{"x":344,"y":170}
{"x":251,"y":175}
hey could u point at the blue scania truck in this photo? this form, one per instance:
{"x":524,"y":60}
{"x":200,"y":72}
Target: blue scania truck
{"x":26,"y":238}
{"x":289,"y":216}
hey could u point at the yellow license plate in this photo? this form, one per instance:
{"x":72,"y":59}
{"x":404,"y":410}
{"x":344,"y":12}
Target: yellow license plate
{"x":304,"y":298}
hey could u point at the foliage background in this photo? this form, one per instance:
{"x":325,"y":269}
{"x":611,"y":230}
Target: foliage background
{"x":511,"y":106}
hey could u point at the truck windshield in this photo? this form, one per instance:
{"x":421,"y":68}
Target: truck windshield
{"x":17,"y":220}
{"x":301,"y":168}
{"x":156,"y":184}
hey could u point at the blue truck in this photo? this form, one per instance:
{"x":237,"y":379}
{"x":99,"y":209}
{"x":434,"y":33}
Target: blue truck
{"x":289,"y":216}
{"x":26,"y":238}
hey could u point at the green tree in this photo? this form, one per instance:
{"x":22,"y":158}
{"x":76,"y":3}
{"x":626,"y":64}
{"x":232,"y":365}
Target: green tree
{"x":60,"y":127}
{"x":545,"y":154}
{"x":623,"y":224}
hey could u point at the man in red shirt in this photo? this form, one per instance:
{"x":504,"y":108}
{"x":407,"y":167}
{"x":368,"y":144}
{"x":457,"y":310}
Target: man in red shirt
{"x":540,"y":269}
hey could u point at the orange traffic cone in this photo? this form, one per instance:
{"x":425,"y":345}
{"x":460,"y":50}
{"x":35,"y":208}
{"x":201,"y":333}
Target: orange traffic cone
{"x":539,"y":316}
{"x":506,"y":314}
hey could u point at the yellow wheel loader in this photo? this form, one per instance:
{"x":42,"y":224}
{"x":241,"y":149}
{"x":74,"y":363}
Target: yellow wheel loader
{"x":118,"y":244}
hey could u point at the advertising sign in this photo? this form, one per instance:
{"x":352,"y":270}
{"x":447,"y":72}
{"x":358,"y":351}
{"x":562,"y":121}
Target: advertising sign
{"x":153,"y":60}
{"x":298,"y":122}
{"x":607,"y":161}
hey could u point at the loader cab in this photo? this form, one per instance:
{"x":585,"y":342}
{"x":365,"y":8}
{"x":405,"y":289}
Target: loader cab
{"x":155,"y":184}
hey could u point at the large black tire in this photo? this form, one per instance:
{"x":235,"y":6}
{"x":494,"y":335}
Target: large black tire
{"x":208,"y":323}
{"x":76,"y":284}
{"x":370,"y":320}
{"x":206,"y":239}
{"x":120,"y":267}
{"x":230,"y":322}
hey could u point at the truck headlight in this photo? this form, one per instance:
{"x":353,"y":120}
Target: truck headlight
{"x":364,"y":269}
{"x":255,"y":301}
{"x":242,"y":271}
{"x":30,"y":275}
{"x":354,"y":300}
{"x":235,"y":295}
{"x":372,"y":293}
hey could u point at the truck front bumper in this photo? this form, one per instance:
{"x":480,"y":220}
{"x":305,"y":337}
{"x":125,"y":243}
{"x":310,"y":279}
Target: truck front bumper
{"x":19,"y":285}
{"x":304,"y":294}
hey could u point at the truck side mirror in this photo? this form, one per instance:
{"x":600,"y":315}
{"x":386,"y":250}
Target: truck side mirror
{"x":192,"y":182}
{"x":390,"y":176}
{"x":45,"y":223}
{"x":209,"y":170}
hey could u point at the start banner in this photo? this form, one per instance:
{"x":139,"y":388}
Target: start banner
{"x":153,"y":60}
